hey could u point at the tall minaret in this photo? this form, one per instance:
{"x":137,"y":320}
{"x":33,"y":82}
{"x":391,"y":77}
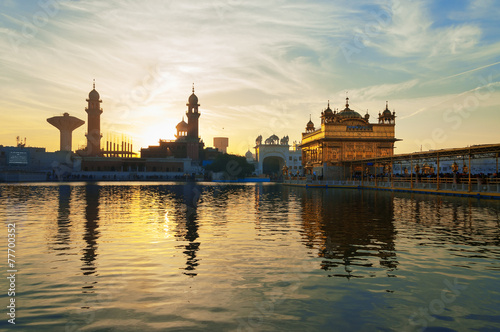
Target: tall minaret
{"x":193,"y":115}
{"x":94,"y":135}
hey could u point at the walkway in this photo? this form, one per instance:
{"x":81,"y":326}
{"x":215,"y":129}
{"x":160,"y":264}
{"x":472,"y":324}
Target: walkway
{"x":479,"y":188}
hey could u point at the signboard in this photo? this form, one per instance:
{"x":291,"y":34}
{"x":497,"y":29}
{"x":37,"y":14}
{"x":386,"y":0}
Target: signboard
{"x":18,"y":158}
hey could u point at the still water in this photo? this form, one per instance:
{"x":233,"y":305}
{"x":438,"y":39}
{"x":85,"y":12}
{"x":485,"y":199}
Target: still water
{"x":266,"y":257}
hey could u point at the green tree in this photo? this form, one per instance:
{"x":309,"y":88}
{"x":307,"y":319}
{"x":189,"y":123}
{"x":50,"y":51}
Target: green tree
{"x":232,"y":165}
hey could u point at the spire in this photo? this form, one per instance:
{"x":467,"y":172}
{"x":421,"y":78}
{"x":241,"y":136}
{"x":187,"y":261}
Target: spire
{"x":193,"y":87}
{"x":93,"y":84}
{"x":386,"y":105}
{"x":310,"y":117}
{"x":347,"y":102}
{"x":328,"y":103}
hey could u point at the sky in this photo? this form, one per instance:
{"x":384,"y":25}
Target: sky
{"x":259,"y":68}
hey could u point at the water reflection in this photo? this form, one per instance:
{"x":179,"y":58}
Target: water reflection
{"x":469,"y":228}
{"x":349,"y":229}
{"x":91,"y":229}
{"x":273,"y":209}
{"x":271,"y":256}
{"x":63,"y":218}
{"x":186,"y":220}
{"x":191,"y":197}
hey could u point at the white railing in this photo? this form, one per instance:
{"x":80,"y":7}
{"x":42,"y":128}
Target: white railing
{"x":488,"y":186}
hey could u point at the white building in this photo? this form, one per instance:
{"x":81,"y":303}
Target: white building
{"x":274,"y":153}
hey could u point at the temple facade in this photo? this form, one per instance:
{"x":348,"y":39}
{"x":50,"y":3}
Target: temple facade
{"x":346,"y":135}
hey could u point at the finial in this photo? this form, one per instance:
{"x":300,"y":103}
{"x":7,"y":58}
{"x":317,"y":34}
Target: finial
{"x":93,"y":84}
{"x":193,"y":87}
{"x":328,"y":103}
{"x":310,"y":117}
{"x":386,"y":105}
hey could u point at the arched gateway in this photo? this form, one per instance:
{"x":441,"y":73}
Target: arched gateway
{"x":274,"y":153}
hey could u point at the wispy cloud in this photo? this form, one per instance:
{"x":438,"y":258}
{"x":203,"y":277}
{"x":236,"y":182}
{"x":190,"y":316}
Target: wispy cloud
{"x":249,"y":61}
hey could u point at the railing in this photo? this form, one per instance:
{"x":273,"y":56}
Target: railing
{"x":486,"y":185}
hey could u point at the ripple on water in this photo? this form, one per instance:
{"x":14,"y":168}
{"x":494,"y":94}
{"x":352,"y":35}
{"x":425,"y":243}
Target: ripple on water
{"x":128,"y":256}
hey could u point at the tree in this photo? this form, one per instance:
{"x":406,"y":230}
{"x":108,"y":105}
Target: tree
{"x":234,"y":166}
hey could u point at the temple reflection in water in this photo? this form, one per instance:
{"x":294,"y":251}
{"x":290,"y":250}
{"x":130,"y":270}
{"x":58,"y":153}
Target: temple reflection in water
{"x":349,"y":229}
{"x":457,"y":220}
{"x":95,"y":253}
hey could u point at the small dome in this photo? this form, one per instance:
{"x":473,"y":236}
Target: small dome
{"x":94,"y":95}
{"x":328,"y":110}
{"x":386,"y":112}
{"x":310,"y":124}
{"x":249,"y":155}
{"x":193,"y":100}
{"x":182,"y":126}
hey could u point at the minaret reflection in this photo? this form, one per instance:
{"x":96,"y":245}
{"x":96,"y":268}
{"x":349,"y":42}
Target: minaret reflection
{"x":91,"y":229}
{"x":191,"y":195}
{"x":63,"y":218}
{"x":350,"y":229}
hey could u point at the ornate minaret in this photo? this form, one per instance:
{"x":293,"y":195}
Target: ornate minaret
{"x":94,"y":112}
{"x":193,"y":115}
{"x":387,"y":117}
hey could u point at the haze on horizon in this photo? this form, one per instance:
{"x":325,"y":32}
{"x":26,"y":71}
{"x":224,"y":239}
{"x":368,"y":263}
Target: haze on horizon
{"x":259,"y":68}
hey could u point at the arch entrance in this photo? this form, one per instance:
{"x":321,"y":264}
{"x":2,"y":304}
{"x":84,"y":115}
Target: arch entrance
{"x":273,"y":165}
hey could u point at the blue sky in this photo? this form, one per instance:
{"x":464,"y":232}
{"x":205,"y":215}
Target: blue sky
{"x":259,"y":67}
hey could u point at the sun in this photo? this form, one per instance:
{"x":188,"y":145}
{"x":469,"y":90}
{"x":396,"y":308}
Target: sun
{"x":153,"y":132}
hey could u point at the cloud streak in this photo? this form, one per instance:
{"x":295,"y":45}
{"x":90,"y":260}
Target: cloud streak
{"x":249,"y":62}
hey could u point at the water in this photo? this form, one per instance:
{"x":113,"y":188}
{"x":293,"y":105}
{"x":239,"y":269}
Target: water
{"x":198,"y":257}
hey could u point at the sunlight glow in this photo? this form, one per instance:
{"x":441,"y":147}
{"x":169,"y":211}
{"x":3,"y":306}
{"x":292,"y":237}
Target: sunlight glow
{"x":248,"y":64}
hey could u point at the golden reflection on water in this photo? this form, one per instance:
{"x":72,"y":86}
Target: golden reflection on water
{"x":186,"y":254}
{"x":349,"y":230}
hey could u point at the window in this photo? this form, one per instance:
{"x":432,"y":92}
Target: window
{"x":290,"y":158}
